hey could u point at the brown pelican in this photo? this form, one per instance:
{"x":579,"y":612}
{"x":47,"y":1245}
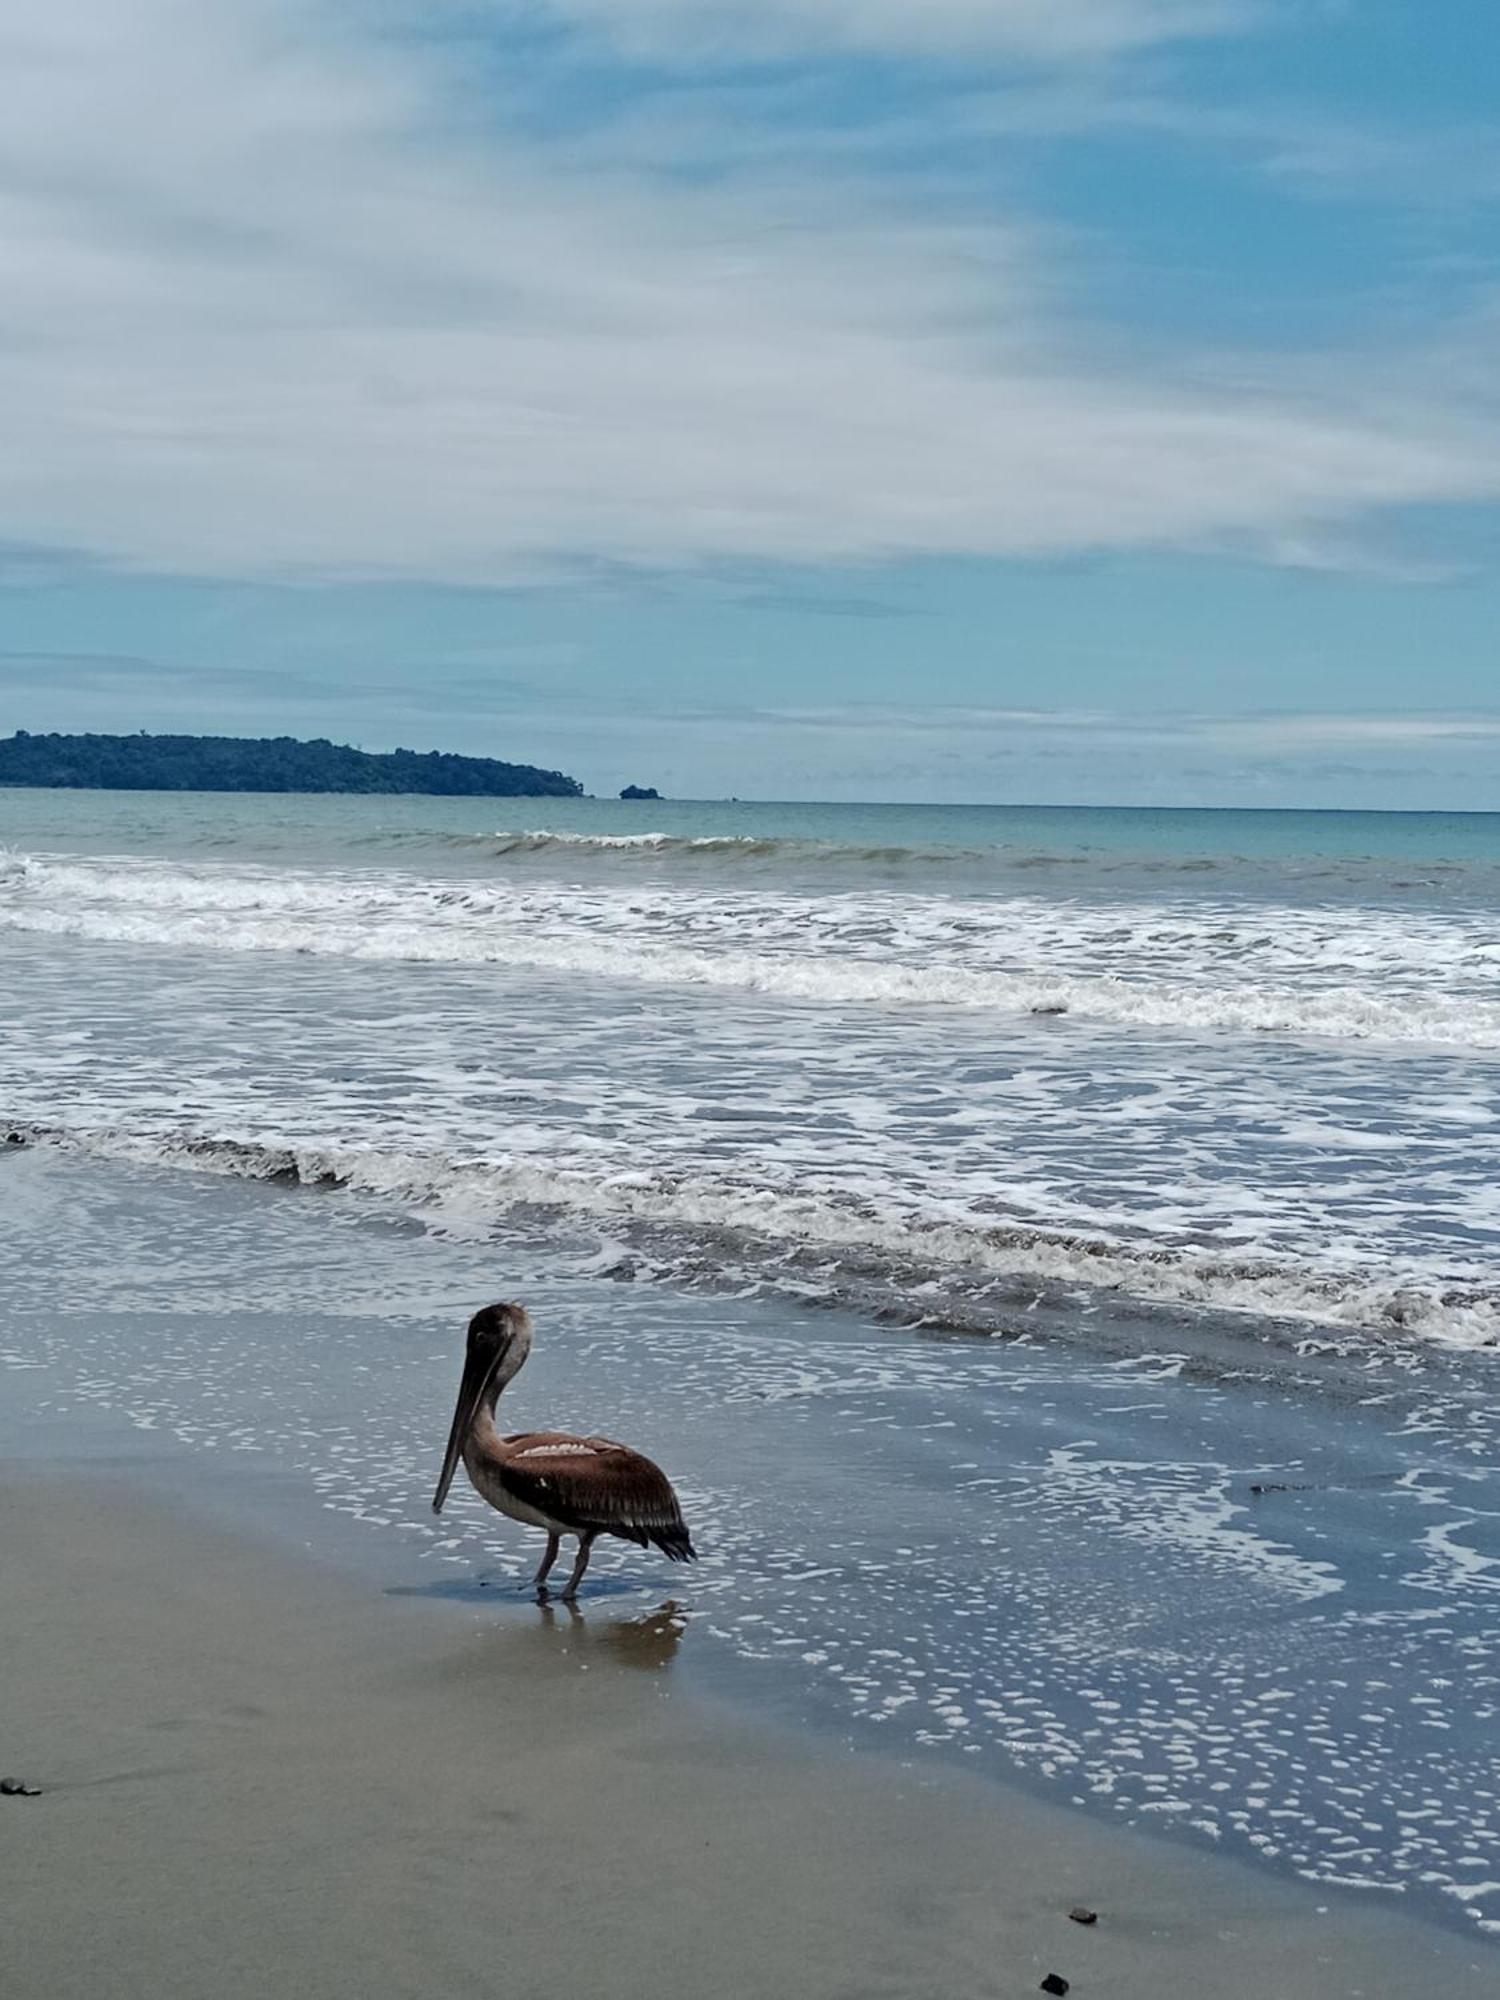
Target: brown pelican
{"x":583,"y":1486}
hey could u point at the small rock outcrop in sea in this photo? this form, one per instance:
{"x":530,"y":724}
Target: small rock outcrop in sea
{"x":640,"y":792}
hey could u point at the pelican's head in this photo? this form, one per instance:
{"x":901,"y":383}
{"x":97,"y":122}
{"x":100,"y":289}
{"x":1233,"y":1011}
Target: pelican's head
{"x":496,"y":1327}
{"x":499,"y":1337}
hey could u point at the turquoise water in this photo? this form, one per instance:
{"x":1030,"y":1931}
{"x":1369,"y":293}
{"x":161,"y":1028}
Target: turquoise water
{"x":1448,"y":854}
{"x":145,"y":819}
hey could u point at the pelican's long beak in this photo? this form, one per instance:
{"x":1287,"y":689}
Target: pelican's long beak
{"x":478,"y":1368}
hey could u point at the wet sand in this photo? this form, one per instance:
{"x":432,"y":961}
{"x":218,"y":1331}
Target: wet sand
{"x":264,"y":1778}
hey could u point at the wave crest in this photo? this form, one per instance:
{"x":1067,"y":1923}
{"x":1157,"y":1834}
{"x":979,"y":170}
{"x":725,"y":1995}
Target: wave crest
{"x":696,"y":1229}
{"x":731,"y":846}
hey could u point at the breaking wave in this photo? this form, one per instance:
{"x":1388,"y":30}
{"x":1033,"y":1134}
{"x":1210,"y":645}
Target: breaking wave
{"x":725,"y":1232}
{"x":744,"y":847}
{"x":637,"y":843}
{"x":943,"y":862}
{"x":512,"y":844}
{"x":1357,"y":974}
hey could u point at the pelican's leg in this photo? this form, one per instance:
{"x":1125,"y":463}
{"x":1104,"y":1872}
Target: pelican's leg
{"x":585,"y":1546}
{"x":554,"y":1543}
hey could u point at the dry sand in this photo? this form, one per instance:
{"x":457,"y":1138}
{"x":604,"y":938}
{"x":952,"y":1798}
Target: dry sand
{"x":263,"y":1780}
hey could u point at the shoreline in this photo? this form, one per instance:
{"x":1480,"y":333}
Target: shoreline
{"x":1010,"y":1565}
{"x":258,"y":1776}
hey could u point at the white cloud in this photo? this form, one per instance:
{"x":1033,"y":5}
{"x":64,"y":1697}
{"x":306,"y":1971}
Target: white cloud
{"x":274,"y":306}
{"x":1048,"y":30}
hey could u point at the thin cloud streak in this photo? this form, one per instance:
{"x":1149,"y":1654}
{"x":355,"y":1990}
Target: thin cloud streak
{"x":1041,"y":30}
{"x":1287,"y":733}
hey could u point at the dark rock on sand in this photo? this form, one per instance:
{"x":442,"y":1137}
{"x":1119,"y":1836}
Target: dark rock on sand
{"x":1054,"y":1983}
{"x":1079,"y":1915}
{"x":17,"y":1788}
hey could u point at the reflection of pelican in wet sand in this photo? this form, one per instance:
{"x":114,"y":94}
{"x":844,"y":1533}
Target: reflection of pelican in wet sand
{"x":649,"y":1642}
{"x":583,"y":1486}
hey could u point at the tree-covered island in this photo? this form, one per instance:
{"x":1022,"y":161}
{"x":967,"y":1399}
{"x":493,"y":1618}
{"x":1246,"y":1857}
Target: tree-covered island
{"x":264,"y":764}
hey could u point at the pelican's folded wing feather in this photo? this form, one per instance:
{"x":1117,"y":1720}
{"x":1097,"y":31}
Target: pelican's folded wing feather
{"x":593,"y":1485}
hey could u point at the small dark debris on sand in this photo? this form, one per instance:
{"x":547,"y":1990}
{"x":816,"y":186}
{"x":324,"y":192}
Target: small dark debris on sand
{"x":1054,"y":1983}
{"x":1079,"y":1915}
{"x":17,"y":1788}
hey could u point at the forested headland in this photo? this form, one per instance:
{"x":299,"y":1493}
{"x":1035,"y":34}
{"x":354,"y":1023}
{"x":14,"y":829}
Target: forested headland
{"x":263,"y":764}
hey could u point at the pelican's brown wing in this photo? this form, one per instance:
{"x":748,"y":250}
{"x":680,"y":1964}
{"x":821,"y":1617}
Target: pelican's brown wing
{"x":594,"y":1486}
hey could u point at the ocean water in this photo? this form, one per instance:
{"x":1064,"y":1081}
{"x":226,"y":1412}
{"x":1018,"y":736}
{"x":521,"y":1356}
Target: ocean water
{"x":978,"y":1067}
{"x":1054,"y":1253}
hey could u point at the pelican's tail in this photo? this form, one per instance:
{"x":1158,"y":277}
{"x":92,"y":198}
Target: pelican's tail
{"x":675,"y":1543}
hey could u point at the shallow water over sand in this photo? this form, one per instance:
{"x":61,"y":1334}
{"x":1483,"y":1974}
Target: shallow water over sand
{"x":1045,"y":1559}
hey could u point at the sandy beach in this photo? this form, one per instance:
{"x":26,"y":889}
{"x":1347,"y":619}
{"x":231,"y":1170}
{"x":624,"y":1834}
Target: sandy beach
{"x":260,"y":1778}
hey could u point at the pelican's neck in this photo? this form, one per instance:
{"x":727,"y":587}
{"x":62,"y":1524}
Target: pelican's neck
{"x":483,"y":1427}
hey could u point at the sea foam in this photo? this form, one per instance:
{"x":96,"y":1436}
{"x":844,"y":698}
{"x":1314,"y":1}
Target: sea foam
{"x":958,"y":1108}
{"x":1392,"y":976}
{"x":700,"y":1229}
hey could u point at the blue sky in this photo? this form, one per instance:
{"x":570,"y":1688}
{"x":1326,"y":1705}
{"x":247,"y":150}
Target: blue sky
{"x":982,"y":399}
